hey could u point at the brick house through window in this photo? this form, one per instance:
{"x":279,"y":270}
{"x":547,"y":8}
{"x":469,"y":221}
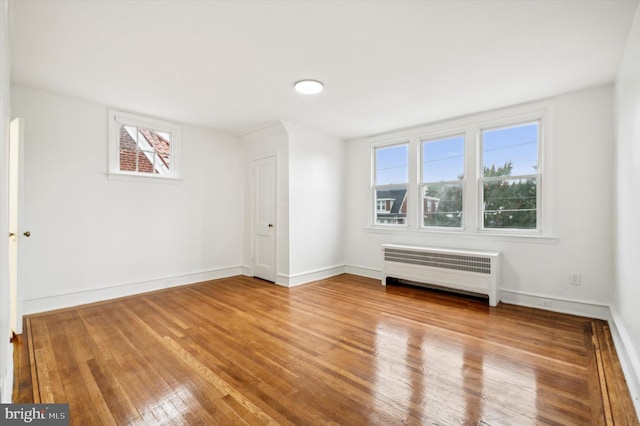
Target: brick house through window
{"x":144,"y":150}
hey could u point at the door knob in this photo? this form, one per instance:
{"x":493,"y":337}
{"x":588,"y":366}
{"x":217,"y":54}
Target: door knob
{"x":27,"y":234}
{"x":271,"y":225}
{"x":11,"y":234}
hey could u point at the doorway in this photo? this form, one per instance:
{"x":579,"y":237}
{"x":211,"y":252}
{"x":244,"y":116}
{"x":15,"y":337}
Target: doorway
{"x":264,"y":215}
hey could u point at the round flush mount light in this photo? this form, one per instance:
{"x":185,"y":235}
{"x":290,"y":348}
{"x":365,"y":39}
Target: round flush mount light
{"x":308,"y":87}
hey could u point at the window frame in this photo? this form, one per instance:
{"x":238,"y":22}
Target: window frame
{"x":422,"y":140}
{"x":119,"y":118}
{"x":543,"y":215}
{"x":541,"y":111}
{"x":374,"y":188}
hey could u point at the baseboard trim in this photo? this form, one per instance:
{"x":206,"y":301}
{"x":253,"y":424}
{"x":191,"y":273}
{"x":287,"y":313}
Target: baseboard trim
{"x":309,"y":276}
{"x":629,"y":360}
{"x":556,"y":304}
{"x":81,"y":297}
{"x":363,"y":271}
{"x":247,"y":270}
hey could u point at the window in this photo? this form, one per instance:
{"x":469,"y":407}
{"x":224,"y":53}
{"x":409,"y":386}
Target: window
{"x":144,"y":150}
{"x":482,"y":174}
{"x":510,"y":177}
{"x":143,"y":147}
{"x":390,"y":183}
{"x":442,"y":185}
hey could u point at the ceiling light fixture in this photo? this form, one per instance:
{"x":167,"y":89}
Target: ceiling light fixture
{"x":308,"y":87}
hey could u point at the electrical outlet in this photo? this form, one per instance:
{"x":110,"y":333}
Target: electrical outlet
{"x":574,"y":278}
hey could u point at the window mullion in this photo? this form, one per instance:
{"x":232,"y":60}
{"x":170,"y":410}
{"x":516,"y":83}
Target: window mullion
{"x":412,"y":189}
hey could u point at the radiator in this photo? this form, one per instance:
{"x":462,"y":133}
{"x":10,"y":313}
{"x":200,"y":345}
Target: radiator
{"x":462,"y":270}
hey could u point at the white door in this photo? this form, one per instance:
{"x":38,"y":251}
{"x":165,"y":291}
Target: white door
{"x":264,"y":214}
{"x":16,"y":132}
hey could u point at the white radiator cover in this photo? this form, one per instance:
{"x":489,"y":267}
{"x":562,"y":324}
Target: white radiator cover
{"x":465,"y":270}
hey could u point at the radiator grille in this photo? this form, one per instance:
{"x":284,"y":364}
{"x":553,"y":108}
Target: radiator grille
{"x":439,"y":260}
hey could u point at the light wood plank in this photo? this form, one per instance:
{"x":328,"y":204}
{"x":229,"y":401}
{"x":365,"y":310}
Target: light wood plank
{"x":339,"y":351}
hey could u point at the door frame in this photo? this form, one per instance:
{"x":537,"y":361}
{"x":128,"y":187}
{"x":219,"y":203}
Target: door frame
{"x":15,"y":200}
{"x":254,"y":207}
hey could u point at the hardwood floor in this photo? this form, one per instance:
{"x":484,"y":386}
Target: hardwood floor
{"x":340,"y":351}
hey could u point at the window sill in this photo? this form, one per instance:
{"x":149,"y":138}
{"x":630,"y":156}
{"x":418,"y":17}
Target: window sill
{"x":465,"y":235}
{"x":143,"y":179}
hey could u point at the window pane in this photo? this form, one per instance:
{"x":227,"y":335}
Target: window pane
{"x":160,"y":142}
{"x":144,"y":165}
{"x":128,"y":148}
{"x":144,"y":150}
{"x":442,"y":205}
{"x":510,"y":203}
{"x":443,"y":159}
{"x":391,"y":206}
{"x":392,"y":164}
{"x":510,"y":151}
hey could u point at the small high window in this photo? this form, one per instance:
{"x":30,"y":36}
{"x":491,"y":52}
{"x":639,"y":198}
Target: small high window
{"x":141,"y":146}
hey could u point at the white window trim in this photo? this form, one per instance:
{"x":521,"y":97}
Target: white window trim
{"x":118,"y":118}
{"x":542,"y":110}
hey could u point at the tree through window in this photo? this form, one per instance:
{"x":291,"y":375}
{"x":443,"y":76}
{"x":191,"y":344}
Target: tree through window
{"x":510,"y":177}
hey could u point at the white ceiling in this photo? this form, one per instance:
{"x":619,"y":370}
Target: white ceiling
{"x":230,"y":65}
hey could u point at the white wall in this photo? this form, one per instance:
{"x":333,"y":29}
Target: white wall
{"x":6,"y":349}
{"x":93,"y":238}
{"x":310,"y":205}
{"x":534,"y":271}
{"x":627,"y":218}
{"x":316,"y":205}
